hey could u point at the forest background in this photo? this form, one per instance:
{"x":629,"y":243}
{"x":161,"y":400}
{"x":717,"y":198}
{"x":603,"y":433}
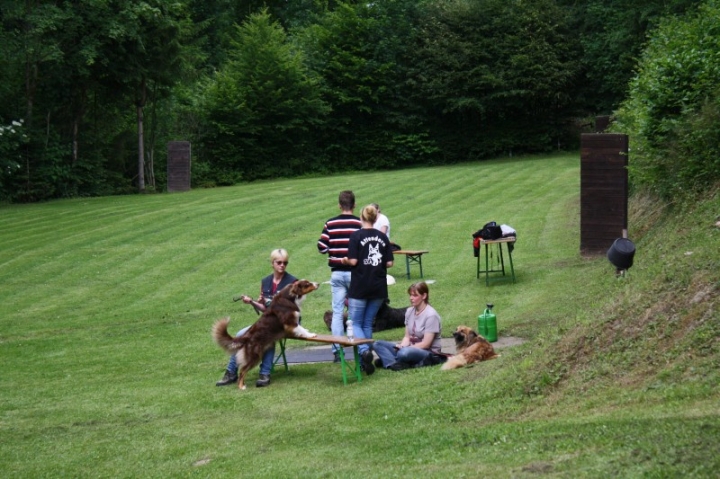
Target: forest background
{"x":91,"y":91}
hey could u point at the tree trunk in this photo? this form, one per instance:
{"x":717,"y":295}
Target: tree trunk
{"x":31,"y":73}
{"x":151,"y":142}
{"x":79,"y":114}
{"x":140,"y":104}
{"x":151,"y":167}
{"x":141,"y":150}
{"x":30,"y":86}
{"x":75,"y":142}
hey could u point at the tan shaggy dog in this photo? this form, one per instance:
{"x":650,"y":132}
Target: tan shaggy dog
{"x":470,"y":348}
{"x":280,"y":320}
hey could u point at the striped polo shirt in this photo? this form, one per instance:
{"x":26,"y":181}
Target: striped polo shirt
{"x":335,"y":238}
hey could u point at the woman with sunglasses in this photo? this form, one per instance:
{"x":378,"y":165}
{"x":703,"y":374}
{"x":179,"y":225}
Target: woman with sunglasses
{"x":272,"y":283}
{"x":269,"y":286}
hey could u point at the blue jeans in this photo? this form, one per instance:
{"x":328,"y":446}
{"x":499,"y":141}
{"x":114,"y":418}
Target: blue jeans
{"x":267,"y":359}
{"x":339,"y":286}
{"x":362,"y":312}
{"x":389,"y":355}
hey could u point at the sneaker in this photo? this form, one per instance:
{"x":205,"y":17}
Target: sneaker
{"x":263,"y":380}
{"x":398,"y":366}
{"x":366,"y":364}
{"x":229,"y":378}
{"x":378,"y":363}
{"x":337,"y":358}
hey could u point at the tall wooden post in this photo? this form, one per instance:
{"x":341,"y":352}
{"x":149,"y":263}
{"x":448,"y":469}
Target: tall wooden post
{"x":603,"y":191}
{"x":178,"y":166}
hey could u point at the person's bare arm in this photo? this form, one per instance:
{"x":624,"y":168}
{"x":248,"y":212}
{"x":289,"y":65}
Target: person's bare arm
{"x":426,"y":342}
{"x":256,"y":304}
{"x":405,"y":341}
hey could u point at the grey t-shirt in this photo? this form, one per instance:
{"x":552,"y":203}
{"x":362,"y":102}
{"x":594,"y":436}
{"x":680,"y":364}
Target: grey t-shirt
{"x":417,"y":325}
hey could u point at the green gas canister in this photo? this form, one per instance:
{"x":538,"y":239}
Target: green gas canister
{"x":487,"y":324}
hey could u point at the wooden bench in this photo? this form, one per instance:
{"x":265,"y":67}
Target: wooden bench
{"x":329,"y":339}
{"x":412,"y":257}
{"x":499,"y":242}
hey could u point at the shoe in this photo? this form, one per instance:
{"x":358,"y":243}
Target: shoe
{"x":378,"y":363}
{"x":229,"y":378}
{"x":366,"y":364}
{"x":337,"y":358}
{"x":398,"y":366}
{"x":263,"y":380}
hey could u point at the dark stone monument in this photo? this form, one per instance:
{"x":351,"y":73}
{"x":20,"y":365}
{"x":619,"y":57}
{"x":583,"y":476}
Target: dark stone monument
{"x":603,"y":191}
{"x":178,"y":166}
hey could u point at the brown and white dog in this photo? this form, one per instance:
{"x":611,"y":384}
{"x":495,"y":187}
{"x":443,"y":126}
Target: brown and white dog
{"x":470,"y":348}
{"x":280,"y":320}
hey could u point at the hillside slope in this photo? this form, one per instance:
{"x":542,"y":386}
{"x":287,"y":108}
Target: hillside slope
{"x":658,"y":326}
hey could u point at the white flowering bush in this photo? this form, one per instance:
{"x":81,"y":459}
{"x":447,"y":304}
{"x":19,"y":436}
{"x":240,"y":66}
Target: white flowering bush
{"x":12,"y":138}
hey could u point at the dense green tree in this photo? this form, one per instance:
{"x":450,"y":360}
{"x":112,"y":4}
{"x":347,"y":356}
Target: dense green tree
{"x":54,"y":48}
{"x":81,"y":61}
{"x":325,"y":85}
{"x":262,"y":107}
{"x":144,"y":56}
{"x":612,"y":34}
{"x":673,"y":111}
{"x":213,"y":27}
{"x":362,"y":52}
{"x":494,"y":75}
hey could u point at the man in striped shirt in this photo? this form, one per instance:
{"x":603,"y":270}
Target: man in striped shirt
{"x":334,"y":242}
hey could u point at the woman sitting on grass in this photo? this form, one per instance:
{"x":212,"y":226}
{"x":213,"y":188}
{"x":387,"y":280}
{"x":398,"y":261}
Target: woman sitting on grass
{"x":422,"y":335}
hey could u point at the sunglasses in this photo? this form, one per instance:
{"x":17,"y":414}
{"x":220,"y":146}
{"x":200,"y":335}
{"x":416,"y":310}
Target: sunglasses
{"x":281,"y":262}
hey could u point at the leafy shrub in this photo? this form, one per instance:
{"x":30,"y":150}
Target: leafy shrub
{"x":673,"y":111}
{"x":261,"y":107}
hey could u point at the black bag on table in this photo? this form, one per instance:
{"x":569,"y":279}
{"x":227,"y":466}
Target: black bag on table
{"x":491,"y":231}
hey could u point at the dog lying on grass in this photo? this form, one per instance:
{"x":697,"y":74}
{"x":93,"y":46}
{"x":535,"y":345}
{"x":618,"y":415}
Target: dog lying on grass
{"x":470,"y":348}
{"x":280,"y":320}
{"x":386,"y":318}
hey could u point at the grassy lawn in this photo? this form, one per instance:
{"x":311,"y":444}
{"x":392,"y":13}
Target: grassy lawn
{"x":106,"y":306}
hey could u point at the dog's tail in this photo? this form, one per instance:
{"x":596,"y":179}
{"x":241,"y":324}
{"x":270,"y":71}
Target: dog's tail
{"x":454,"y":362}
{"x":223,"y":338}
{"x":458,"y":361}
